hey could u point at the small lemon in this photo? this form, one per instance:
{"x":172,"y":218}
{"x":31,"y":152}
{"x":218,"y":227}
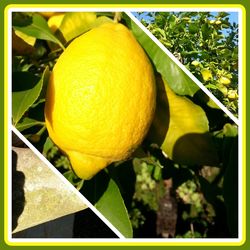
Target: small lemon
{"x":206,"y":74}
{"x":232,"y":94}
{"x":195,"y":63}
{"x":100,"y":99}
{"x":224,"y":80}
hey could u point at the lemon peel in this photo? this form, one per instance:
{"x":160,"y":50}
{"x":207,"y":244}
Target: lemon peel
{"x":101,"y":98}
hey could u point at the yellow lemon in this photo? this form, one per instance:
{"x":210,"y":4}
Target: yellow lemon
{"x":54,"y":22}
{"x":195,"y":63}
{"x":206,"y":74}
{"x":49,"y":14}
{"x":224,"y":80}
{"x":100,"y":99}
{"x":232,"y":94}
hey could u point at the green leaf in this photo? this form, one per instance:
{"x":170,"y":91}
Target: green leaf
{"x":20,"y":47}
{"x":181,"y":129}
{"x":23,"y":98}
{"x":73,"y":179}
{"x":179,"y":82}
{"x":116,"y":213}
{"x":27,"y":122}
{"x":21,"y":19}
{"x":193,"y":28}
{"x":47,"y":146}
{"x":103,"y":192}
{"x":39,"y":29}
{"x":26,"y":88}
{"x":205,"y":31}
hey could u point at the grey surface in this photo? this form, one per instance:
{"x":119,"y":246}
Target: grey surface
{"x":59,"y":228}
{"x":38,"y":194}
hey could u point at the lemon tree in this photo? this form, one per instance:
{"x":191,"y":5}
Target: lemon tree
{"x":206,"y":43}
{"x":124,"y":124}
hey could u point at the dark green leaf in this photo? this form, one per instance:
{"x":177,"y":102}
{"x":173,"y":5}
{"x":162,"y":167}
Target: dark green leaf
{"x":178,"y":80}
{"x":172,"y":21}
{"x":103,"y":192}
{"x":193,"y":28}
{"x":205,"y":31}
{"x":21,"y":19}
{"x":28,"y":123}
{"x":26,"y":88}
{"x":39,"y":29}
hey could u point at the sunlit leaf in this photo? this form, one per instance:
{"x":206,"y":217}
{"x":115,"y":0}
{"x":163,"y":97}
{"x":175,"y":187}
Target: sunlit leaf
{"x":28,"y":39}
{"x":20,"y":46}
{"x":39,"y":29}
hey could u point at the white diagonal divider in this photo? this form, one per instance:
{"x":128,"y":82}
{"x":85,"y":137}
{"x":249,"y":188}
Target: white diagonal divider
{"x":166,"y":51}
{"x":63,"y":180}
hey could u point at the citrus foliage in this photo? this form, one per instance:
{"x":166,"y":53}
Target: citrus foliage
{"x":206,"y":43}
{"x":134,"y":191}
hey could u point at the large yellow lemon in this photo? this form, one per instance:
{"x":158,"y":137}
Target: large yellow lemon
{"x":100,"y":98}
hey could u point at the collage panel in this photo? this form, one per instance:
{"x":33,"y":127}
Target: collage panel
{"x":206,"y":43}
{"x":44,"y":205}
{"x":101,"y":97}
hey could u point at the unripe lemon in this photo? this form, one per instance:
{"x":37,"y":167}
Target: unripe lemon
{"x":100,"y":99}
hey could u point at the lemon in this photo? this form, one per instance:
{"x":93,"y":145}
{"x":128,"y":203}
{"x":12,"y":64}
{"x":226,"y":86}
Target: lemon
{"x":54,"y":22}
{"x":232,"y":94}
{"x":195,"y":63}
{"x":224,"y":80}
{"x":100,"y":99}
{"x":206,"y":74}
{"x":49,"y":14}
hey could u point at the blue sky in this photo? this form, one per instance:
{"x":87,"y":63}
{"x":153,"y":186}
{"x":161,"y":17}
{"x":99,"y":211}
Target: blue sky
{"x":233,"y":16}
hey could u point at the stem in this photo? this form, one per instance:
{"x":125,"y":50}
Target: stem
{"x":40,"y":132}
{"x":192,"y":229}
{"x":117,"y":17}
